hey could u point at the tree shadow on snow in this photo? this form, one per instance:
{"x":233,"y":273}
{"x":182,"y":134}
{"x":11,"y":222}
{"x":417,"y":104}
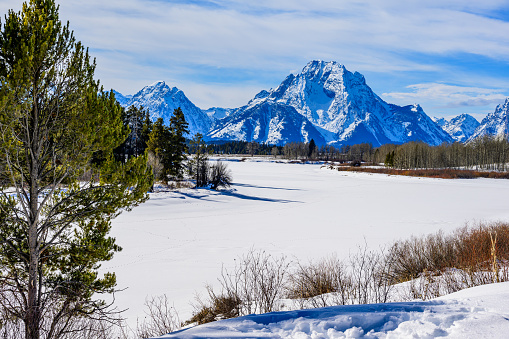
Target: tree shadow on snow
{"x":196,"y":195}
{"x":249,"y":197}
{"x":267,"y":187}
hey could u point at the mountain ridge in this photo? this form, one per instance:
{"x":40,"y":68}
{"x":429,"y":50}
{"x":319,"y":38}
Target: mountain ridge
{"x":495,"y":123}
{"x":324,"y":102}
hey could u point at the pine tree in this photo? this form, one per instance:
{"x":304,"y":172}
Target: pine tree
{"x":135,"y":120}
{"x":198,"y":166}
{"x":61,"y":185}
{"x":178,"y":129}
{"x":311,"y":148}
{"x":159,"y":145}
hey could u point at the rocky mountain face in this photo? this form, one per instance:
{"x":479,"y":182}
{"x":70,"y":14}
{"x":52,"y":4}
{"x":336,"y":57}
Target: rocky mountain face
{"x":460,"y":128}
{"x":266,"y":122}
{"x":161,"y":101}
{"x":496,"y":123}
{"x":324,"y":102}
{"x":340,"y":106}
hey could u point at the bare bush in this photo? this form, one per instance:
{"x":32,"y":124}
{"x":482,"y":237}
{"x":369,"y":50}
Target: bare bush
{"x":220,"y":175}
{"x":371,"y":281}
{"x":437,"y":265}
{"x":321,"y":284}
{"x":258,"y":280}
{"x":217,"y":307}
{"x":160,"y":318}
{"x":412,"y":257}
{"x":254,"y":285}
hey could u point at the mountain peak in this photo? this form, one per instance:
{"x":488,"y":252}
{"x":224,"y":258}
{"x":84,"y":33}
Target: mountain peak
{"x":460,"y":128}
{"x":503,"y":108}
{"x":161,"y":101}
{"x":496,"y":123}
{"x":318,"y":65}
{"x":159,"y":83}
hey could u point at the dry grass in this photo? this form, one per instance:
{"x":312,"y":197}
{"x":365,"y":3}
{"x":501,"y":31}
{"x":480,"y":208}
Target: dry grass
{"x":427,"y":173}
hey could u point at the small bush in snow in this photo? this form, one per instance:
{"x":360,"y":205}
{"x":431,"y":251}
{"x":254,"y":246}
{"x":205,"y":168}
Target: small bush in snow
{"x":220,"y":176}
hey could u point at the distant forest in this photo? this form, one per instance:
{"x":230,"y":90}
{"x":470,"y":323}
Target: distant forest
{"x":485,"y":153}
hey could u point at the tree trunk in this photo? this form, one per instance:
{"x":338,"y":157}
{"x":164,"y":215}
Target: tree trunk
{"x":33,"y":312}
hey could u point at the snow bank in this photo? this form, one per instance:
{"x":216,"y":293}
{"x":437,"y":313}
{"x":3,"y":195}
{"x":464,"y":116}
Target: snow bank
{"x":479,"y":312}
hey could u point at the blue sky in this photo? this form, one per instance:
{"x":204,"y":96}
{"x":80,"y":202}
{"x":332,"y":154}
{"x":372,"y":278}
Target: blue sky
{"x":450,"y":56}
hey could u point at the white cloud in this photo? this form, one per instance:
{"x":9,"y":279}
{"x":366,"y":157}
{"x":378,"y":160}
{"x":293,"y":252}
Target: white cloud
{"x":140,"y":41}
{"x":449,"y":96}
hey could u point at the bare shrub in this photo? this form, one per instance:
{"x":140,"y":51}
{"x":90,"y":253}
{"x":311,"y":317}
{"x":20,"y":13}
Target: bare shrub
{"x":220,"y":175}
{"x":217,"y":307}
{"x":371,"y":276}
{"x":321,"y":284}
{"x":258,"y":280}
{"x":77,"y":328}
{"x":412,"y":257}
{"x":437,"y":265}
{"x":254,"y":285}
{"x":160,"y":318}
{"x":474,"y":245}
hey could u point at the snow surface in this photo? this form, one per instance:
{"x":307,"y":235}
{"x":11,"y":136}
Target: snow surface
{"x":176,"y":242}
{"x":479,"y":312}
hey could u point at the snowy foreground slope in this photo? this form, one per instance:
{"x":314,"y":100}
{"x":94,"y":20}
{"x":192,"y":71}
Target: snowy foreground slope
{"x":479,"y":312}
{"x":176,"y":242}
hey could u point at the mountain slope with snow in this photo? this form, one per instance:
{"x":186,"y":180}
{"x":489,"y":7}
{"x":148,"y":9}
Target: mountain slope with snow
{"x":266,"y":122}
{"x":161,"y":101}
{"x":496,"y":123}
{"x":340,"y":105}
{"x":460,"y":128}
{"x":324,"y":102}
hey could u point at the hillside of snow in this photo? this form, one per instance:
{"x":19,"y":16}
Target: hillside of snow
{"x":177,"y":241}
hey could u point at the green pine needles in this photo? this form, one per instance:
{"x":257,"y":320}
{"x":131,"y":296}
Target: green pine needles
{"x":60,"y":184}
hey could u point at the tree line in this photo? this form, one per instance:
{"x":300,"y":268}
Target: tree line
{"x":485,"y":153}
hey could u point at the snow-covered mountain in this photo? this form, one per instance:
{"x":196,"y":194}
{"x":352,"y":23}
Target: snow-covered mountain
{"x":496,"y":123}
{"x":217,"y":113}
{"x":122,"y":99}
{"x":161,"y":101}
{"x":460,"y":128}
{"x":324,"y":102}
{"x":266,"y":122}
{"x":340,"y":106}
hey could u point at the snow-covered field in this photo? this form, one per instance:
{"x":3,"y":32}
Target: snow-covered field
{"x":177,"y":241}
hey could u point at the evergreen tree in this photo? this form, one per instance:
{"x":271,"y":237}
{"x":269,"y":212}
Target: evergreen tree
{"x":159,"y":145}
{"x":198,"y":166}
{"x":61,"y":186}
{"x":135,"y":121}
{"x":311,"y":148}
{"x":146,"y":128}
{"x":178,"y":129}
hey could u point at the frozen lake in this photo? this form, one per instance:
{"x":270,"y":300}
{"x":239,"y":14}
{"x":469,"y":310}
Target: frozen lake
{"x":176,"y":242}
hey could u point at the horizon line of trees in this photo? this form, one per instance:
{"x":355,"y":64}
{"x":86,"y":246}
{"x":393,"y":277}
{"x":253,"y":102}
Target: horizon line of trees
{"x":168,"y":149}
{"x":485,"y":153}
